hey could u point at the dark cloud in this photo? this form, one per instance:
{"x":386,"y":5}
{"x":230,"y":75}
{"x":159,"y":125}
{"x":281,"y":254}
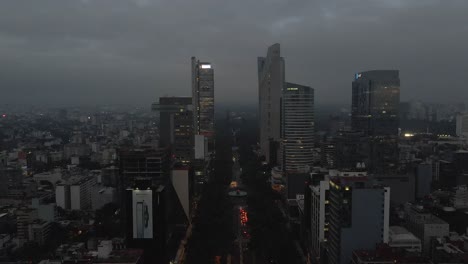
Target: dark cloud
{"x":118,"y":51}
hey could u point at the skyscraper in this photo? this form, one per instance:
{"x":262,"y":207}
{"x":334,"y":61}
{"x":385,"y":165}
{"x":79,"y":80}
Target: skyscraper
{"x":270,"y":86}
{"x":203,"y":101}
{"x":375,"y":103}
{"x":176,"y":126}
{"x":297,"y":128}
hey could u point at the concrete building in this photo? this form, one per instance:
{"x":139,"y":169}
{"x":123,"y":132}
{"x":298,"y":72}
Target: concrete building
{"x":423,"y":179}
{"x":462,"y":125}
{"x":297,"y":130}
{"x":460,"y":197}
{"x":359,"y":215}
{"x":80,"y":193}
{"x":320,"y":222}
{"x":76,"y":149}
{"x":203,"y":101}
{"x":399,"y":237}
{"x":45,"y":211}
{"x":271,"y":82}
{"x":176,"y":126}
{"x":182,"y":183}
{"x":39,"y":231}
{"x":62,"y":195}
{"x":24,"y":216}
{"x":375,"y":106}
{"x":425,"y":225}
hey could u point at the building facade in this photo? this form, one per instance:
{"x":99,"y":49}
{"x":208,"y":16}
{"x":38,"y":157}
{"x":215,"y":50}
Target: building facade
{"x":462,"y":125}
{"x":176,"y":126}
{"x":374,"y":111}
{"x":320,"y":221}
{"x":359,"y":215}
{"x":297,"y":128}
{"x":271,"y":82}
{"x":203,"y":101}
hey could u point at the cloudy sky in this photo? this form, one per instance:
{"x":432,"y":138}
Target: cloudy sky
{"x":133,"y":51}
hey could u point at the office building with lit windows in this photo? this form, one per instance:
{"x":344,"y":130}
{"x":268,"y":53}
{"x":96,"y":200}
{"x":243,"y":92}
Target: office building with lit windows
{"x":176,"y":126}
{"x":297,"y":128}
{"x":203,"y":102}
{"x":375,"y":102}
{"x":359,"y":215}
{"x":271,"y":82}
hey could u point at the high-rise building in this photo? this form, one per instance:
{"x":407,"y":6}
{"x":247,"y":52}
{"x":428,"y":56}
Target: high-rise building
{"x":375,"y":104}
{"x":297,"y":128}
{"x":359,"y":215}
{"x":203,"y":101}
{"x":176,"y":126}
{"x":271,"y":82}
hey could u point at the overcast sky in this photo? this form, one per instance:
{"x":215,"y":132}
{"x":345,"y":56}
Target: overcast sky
{"x":133,"y":51}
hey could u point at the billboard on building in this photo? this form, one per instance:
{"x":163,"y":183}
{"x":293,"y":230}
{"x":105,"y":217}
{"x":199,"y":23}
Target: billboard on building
{"x":142,"y":205}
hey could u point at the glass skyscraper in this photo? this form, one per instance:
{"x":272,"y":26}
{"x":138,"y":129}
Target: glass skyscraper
{"x":203,"y":100}
{"x":297,"y":128}
{"x":375,"y":102}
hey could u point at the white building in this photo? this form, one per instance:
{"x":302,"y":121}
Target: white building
{"x":50,"y":176}
{"x":104,"y":249}
{"x":80,"y":193}
{"x":399,"y":237}
{"x":62,"y":196}
{"x":425,"y":225}
{"x":462,"y":125}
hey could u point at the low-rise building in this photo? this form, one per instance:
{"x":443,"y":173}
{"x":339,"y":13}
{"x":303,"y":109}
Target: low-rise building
{"x":399,"y":237}
{"x":425,"y":225}
{"x":39,"y":231}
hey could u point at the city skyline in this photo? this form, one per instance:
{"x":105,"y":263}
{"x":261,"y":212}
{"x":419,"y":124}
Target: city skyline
{"x":90,"y":56}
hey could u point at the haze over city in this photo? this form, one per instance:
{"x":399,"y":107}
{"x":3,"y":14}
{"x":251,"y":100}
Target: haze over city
{"x":132,"y":52}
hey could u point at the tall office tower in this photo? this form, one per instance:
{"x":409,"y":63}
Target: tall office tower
{"x":462,"y":125}
{"x":270,"y":86}
{"x":297,"y":128}
{"x":203,"y":101}
{"x":176,"y":126}
{"x":359,"y":215}
{"x":375,"y":104}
